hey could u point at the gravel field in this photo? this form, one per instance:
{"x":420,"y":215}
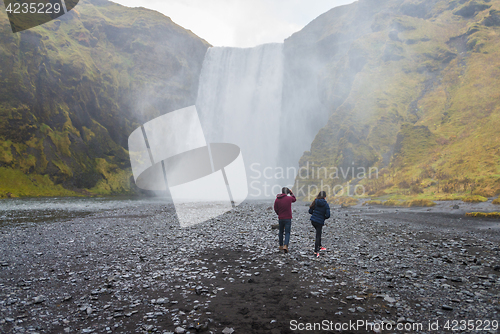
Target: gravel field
{"x":132,"y":269}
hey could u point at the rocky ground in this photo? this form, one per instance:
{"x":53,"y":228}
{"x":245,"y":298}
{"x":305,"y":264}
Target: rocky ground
{"x":135,"y":270}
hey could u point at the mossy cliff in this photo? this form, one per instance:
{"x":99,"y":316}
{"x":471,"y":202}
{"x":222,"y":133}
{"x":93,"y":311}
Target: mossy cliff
{"x":411,"y":88}
{"x":73,"y":89}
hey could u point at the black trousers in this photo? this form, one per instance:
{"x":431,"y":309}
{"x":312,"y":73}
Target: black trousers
{"x":319,"y":230}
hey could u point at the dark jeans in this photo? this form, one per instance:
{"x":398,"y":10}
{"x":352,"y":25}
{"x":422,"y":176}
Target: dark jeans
{"x":285,"y":226}
{"x":319,"y":229}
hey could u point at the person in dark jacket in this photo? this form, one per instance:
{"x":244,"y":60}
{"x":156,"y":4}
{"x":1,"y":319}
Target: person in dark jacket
{"x":283,"y":208}
{"x":319,"y":210}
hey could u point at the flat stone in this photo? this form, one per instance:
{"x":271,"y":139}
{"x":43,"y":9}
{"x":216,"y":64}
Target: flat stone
{"x":389,"y":299}
{"x":39,"y":299}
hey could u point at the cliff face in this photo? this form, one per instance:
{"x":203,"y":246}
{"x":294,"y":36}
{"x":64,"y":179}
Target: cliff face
{"x":73,"y":89}
{"x":410,"y":87}
{"x":316,"y":82}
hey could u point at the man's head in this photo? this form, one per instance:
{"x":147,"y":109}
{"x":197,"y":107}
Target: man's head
{"x":285,"y":190}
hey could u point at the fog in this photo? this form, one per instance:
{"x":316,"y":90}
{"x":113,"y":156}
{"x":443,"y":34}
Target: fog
{"x":240,"y":101}
{"x":270,"y":99}
{"x":240,"y":23}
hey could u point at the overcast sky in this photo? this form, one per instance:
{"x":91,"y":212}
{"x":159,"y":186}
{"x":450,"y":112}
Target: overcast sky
{"x":241,"y":23}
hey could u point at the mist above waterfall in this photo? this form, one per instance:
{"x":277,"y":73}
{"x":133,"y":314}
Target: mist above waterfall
{"x":239,"y":100}
{"x":268,"y":100}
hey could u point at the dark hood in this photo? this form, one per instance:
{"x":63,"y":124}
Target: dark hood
{"x":320,"y":202}
{"x":280,"y":195}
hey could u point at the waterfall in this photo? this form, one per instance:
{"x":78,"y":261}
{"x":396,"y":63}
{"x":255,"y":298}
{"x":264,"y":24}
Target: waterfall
{"x":264,"y":99}
{"x":239,"y":102}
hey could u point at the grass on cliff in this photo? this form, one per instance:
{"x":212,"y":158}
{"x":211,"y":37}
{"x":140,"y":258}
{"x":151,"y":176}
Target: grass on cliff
{"x":407,"y":204}
{"x":483,"y":214}
{"x":115,"y":181}
{"x":344,"y":201}
{"x":437,"y":99}
{"x":427,"y":197}
{"x":14,"y":183}
{"x":474,"y":199}
{"x":89,"y":65}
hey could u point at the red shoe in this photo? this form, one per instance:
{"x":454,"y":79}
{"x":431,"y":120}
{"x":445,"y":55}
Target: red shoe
{"x":322,"y":249}
{"x":316,"y":254}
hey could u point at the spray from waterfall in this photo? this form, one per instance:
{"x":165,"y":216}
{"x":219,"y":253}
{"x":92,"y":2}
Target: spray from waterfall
{"x":241,"y":100}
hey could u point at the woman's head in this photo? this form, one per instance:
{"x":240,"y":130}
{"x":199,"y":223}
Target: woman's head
{"x":321,"y":195}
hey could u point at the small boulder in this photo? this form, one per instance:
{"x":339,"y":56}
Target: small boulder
{"x":38,"y":299}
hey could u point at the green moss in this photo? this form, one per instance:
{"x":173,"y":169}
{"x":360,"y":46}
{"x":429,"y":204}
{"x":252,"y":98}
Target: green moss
{"x":373,"y":202}
{"x":474,"y":199}
{"x":419,"y":203}
{"x":14,"y":183}
{"x":29,"y":163}
{"x":412,"y":143}
{"x":68,"y":89}
{"x":445,"y":197}
{"x":114,"y":180}
{"x":409,"y":203}
{"x":430,"y":118}
{"x":65,"y":170}
{"x":392,"y":202}
{"x":61,"y":141}
{"x":6,"y":152}
{"x":87,"y":134}
{"x":483,"y":214}
{"x":344,"y":201}
{"x":45,"y":129}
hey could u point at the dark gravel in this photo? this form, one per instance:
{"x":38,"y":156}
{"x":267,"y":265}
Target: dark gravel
{"x":134,"y":270}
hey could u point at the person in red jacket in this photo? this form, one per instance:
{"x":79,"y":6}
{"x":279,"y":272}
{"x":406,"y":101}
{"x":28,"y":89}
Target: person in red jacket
{"x":283,"y":208}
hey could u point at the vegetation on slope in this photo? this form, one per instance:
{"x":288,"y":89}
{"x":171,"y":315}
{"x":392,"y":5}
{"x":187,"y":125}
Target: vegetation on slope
{"x":422,"y":104}
{"x":73,"y":89}
{"x":495,"y":215}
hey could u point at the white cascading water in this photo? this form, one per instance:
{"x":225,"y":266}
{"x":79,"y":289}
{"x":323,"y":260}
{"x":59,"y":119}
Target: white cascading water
{"x":239,"y":102}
